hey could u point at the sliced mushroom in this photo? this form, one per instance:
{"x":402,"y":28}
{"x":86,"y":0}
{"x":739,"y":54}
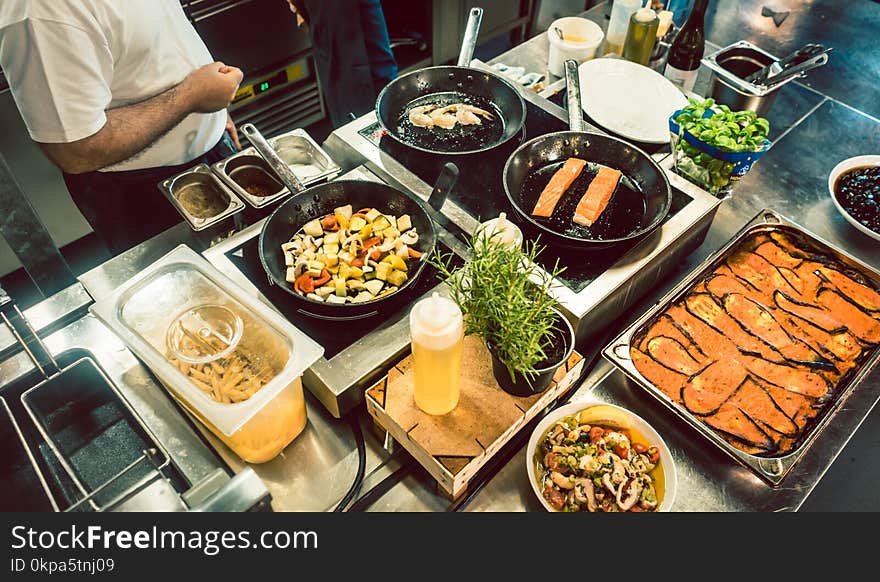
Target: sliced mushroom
{"x":618,"y":473}
{"x":410,"y":237}
{"x":561,"y":480}
{"x":606,"y":481}
{"x":583,"y":493}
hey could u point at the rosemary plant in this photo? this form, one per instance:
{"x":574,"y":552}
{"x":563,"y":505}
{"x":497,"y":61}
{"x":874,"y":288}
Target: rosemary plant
{"x":504,"y":300}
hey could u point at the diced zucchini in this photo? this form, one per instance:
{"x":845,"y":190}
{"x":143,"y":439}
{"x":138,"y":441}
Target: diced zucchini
{"x":315,"y":268}
{"x":313,"y":228}
{"x":357,"y":223}
{"x":343,"y":215}
{"x":366,"y":232}
{"x":291,"y":277}
{"x":335,"y":299}
{"x":381,"y":224}
{"x":344,"y":270}
{"x":370,"y":276}
{"x":331,"y":249}
{"x":391,"y":233}
{"x":355,"y":273}
{"x":374,"y":286}
{"x":346,"y":257}
{"x":355,"y":284}
{"x":339,"y":287}
{"x":382,"y":271}
{"x":404,"y":223}
{"x":388,"y":291}
{"x":373,"y":214}
{"x":396,"y":278}
{"x":395,"y":262}
{"x":334,"y":269}
{"x":332,"y":260}
{"x":331,"y":238}
{"x":314,"y":297}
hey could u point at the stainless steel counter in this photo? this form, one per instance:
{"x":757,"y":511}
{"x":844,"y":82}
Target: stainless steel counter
{"x":314,"y":472}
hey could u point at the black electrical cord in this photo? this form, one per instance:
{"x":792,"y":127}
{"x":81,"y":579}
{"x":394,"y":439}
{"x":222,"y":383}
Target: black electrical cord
{"x":382,"y":487}
{"x":503,"y":457}
{"x":353,"y":420}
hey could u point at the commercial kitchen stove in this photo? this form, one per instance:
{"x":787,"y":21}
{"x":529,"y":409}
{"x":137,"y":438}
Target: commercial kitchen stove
{"x":595,"y":287}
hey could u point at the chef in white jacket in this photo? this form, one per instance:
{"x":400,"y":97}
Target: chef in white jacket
{"x":119,"y":94}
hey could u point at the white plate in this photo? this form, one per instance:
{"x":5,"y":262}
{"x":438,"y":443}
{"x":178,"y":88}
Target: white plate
{"x":631,"y":100}
{"x":842,"y":167}
{"x":625,"y":417}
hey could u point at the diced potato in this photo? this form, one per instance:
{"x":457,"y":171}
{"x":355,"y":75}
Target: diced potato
{"x":343,"y":215}
{"x":314,"y":297}
{"x":331,"y":238}
{"x":381,"y":224}
{"x":336,"y":300}
{"x":331,"y":249}
{"x":396,"y":262}
{"x":396,"y":278}
{"x":388,"y":291}
{"x":287,"y":247}
{"x":362,"y":297}
{"x":289,"y":259}
{"x":357,"y":223}
{"x":366,"y":232}
{"x":339,"y":287}
{"x":315,"y":268}
{"x":290,"y":275}
{"x":355,"y":273}
{"x":382,"y":271}
{"x":325,"y":290}
{"x":344,"y":270}
{"x":404,"y":223}
{"x":355,"y":284}
{"x":345,"y":256}
{"x":391,"y":233}
{"x":314,"y":228}
{"x":333,"y":270}
{"x":332,"y":260}
{"x":373,"y":214}
{"x":374,"y":286}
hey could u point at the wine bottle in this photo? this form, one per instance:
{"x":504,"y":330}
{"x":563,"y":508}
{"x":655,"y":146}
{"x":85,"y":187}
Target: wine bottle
{"x":687,"y":49}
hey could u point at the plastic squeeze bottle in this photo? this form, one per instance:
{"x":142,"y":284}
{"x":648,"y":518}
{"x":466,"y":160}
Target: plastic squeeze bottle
{"x":437,"y":334}
{"x":621,"y":11}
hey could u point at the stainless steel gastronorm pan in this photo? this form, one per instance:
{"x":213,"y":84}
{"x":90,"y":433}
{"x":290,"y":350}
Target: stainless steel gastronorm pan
{"x":772,"y":469}
{"x":296,"y":148}
{"x":200,"y":179}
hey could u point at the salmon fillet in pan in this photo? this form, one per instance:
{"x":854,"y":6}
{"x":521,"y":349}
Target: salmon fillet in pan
{"x":597,"y":196}
{"x":556,"y":187}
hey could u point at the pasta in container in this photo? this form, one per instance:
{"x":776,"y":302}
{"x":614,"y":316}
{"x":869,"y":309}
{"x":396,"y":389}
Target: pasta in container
{"x":231,"y":361}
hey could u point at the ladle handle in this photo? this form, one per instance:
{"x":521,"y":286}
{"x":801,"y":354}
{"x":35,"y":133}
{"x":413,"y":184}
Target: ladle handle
{"x":275,"y":162}
{"x":573,"y":91}
{"x":469,"y":42}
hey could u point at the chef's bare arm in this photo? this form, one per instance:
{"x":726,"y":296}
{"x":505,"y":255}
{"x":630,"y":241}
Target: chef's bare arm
{"x":133,"y":128}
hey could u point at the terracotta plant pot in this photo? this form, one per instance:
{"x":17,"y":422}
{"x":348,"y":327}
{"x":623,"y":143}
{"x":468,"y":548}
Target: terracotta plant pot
{"x":522,"y":385}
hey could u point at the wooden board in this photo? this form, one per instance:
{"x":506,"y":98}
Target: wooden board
{"x":453,"y":447}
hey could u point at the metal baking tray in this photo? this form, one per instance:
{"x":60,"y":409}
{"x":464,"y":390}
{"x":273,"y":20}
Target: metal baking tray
{"x":303,"y":155}
{"x":772,"y":469}
{"x":201,"y":177}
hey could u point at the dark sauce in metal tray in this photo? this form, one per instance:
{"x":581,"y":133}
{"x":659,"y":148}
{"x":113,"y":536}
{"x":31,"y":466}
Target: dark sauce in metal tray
{"x":858,"y":191}
{"x":460,"y":138}
{"x":621,"y":217}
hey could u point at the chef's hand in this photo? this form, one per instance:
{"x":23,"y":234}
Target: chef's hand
{"x":212,"y":87}
{"x":300,"y":20}
{"x":233,"y":132}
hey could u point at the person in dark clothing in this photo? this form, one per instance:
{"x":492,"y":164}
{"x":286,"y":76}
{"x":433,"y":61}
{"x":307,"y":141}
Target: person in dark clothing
{"x":352,"y":52}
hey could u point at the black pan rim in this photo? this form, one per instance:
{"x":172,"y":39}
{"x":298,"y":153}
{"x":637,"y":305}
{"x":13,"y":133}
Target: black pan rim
{"x":347,"y":306}
{"x":487,"y":147}
{"x":578,"y":240}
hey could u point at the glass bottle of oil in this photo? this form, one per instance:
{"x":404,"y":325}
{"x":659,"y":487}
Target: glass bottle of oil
{"x":640,"y":35}
{"x":437,"y":331}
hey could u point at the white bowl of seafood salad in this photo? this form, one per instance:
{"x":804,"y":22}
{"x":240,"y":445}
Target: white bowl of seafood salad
{"x":594,"y":457}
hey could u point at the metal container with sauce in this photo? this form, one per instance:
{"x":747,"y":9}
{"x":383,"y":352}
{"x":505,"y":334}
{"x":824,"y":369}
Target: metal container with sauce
{"x":201,"y":198}
{"x":231,"y":361}
{"x":249,"y":176}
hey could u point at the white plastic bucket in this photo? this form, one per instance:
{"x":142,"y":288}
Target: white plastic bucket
{"x":563,"y":50}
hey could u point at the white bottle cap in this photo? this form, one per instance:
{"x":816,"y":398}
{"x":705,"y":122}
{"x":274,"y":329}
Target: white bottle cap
{"x":436,"y":322}
{"x":645,"y":14}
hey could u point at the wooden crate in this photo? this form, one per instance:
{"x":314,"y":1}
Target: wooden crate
{"x":453,"y":447}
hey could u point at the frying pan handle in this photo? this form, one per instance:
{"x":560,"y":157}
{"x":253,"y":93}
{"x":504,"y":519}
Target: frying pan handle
{"x":469,"y":42}
{"x":573,"y":90}
{"x":444,"y":185}
{"x":275,"y":162}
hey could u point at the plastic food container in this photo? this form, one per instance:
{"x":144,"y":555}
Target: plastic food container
{"x":230,"y":360}
{"x":581,"y":39}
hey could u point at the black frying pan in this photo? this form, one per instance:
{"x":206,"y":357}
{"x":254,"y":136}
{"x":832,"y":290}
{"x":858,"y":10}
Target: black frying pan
{"x":639,"y":204}
{"x":443,"y":85}
{"x":320,"y":200}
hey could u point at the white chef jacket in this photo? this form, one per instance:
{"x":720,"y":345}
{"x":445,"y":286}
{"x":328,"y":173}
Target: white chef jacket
{"x":68,"y":61}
